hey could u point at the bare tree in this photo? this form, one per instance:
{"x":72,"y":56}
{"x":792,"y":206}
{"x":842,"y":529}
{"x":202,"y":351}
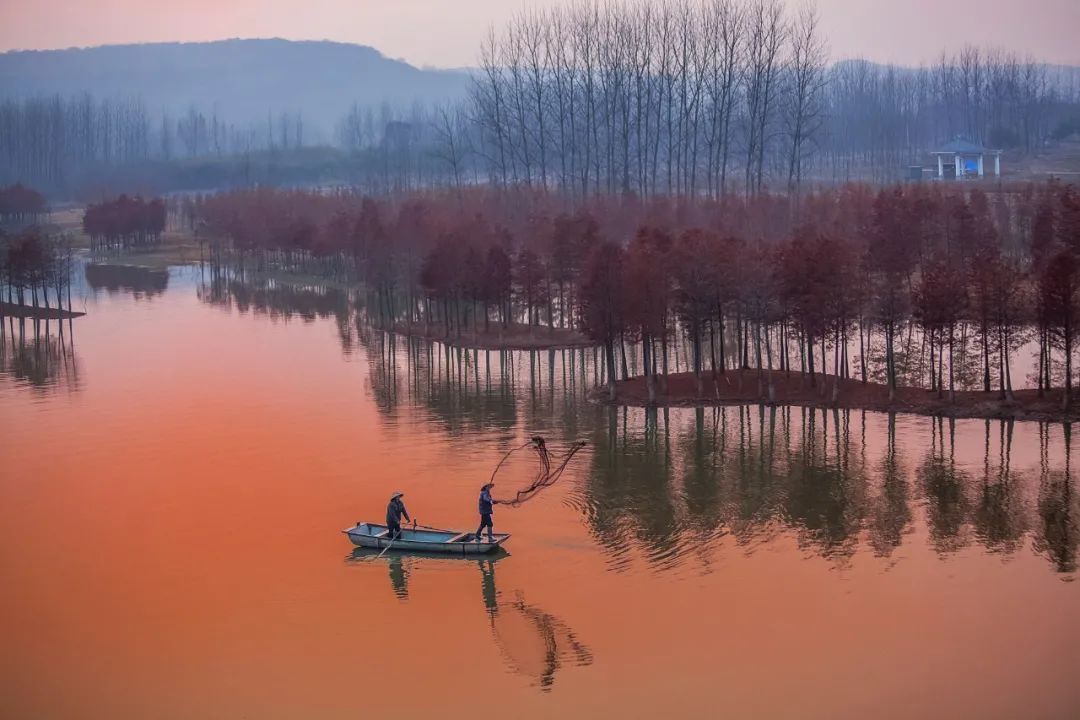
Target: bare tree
{"x":804,"y":99}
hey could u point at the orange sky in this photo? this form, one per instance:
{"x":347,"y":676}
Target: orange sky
{"x":446,"y":33}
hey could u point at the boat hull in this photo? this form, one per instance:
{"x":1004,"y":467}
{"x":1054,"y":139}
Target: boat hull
{"x":443,"y":542}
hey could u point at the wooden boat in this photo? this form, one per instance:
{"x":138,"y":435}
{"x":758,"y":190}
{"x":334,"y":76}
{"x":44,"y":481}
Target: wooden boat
{"x":430,"y":540}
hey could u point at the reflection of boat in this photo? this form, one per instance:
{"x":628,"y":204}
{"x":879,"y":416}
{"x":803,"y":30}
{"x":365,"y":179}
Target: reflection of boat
{"x":448,"y":542}
{"x":532,"y":642}
{"x":401,"y":567}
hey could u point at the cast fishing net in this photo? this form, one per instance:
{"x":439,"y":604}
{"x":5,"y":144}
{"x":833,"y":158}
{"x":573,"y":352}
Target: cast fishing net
{"x":552,"y":466}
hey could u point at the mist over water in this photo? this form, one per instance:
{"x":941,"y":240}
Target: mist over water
{"x":170,"y":517}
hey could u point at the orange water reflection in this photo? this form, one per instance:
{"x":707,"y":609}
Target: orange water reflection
{"x":533,"y":642}
{"x":170,"y":545}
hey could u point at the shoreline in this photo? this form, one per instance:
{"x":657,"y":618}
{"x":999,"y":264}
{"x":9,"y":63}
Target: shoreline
{"x":740,"y":387}
{"x":515,"y":337}
{"x":180,"y":248}
{"x":29,"y":312}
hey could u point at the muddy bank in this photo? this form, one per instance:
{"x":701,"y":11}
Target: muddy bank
{"x":36,"y":313}
{"x":740,"y":387}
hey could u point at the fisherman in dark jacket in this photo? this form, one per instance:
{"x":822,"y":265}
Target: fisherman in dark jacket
{"x":486,"y":502}
{"x":394,"y":511}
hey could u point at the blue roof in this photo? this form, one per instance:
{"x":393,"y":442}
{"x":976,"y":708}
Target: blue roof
{"x":961,"y":147}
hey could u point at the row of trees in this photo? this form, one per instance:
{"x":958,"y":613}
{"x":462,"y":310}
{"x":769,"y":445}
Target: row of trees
{"x":52,"y":141}
{"x":675,"y":98}
{"x":848,"y":297}
{"x":19,"y":203}
{"x":34,"y":264}
{"x":125,"y":222}
{"x":693,"y":97}
{"x":428,"y":242}
{"x":935,"y":285}
{"x":43,"y":140}
{"x":195,"y":133}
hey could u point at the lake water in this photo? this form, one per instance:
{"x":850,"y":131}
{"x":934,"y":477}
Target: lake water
{"x":177,"y":467}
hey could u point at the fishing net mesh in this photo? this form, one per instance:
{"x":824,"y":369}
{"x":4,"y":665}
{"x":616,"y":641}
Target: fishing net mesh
{"x":551,"y":469}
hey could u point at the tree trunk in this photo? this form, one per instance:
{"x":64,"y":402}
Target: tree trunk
{"x":664,"y":360}
{"x":890,"y":361}
{"x":1008,"y":372}
{"x":1042,"y":363}
{"x":1067,"y":333}
{"x":696,"y":340}
{"x":952,"y":388}
{"x":646,"y":358}
{"x":720,"y":322}
{"x":610,"y":353}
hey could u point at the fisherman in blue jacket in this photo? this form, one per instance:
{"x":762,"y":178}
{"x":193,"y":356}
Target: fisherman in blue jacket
{"x":486,"y":502}
{"x":394,"y":511}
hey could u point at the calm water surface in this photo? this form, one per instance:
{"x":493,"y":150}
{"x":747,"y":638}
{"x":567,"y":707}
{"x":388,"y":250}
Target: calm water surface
{"x":177,"y":466}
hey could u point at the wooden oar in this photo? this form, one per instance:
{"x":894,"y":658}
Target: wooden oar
{"x":385,"y":548}
{"x":392,"y":542}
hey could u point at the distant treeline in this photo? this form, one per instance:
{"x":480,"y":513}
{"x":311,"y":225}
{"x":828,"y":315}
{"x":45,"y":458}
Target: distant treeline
{"x":65,"y":143}
{"x":937,"y":284}
{"x":18,"y":204}
{"x":685,"y":98}
{"x":700,"y":96}
{"x":45,"y":140}
{"x":125,"y":222}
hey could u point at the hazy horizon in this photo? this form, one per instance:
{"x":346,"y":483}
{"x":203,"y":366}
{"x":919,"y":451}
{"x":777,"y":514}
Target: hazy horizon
{"x":424,"y":34}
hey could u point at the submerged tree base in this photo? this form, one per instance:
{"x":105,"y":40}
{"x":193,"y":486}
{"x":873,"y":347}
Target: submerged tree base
{"x":512,"y":337}
{"x":749,"y":386}
{"x":36,"y":313}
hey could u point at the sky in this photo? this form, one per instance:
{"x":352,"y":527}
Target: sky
{"x":448,"y":33}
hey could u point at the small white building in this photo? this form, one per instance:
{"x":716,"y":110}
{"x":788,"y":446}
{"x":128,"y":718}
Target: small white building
{"x":962,"y":159}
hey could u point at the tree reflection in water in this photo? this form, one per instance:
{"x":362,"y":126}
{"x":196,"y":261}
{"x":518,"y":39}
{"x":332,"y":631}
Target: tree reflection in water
{"x":890,"y":513}
{"x":141,"y":283}
{"x":1058,"y":535}
{"x":999,"y":517}
{"x":670,"y":485}
{"x":945,"y":488}
{"x":470,"y":393}
{"x":39,"y":353}
{"x":531,"y":641}
{"x":662,"y":489}
{"x":276,"y":300}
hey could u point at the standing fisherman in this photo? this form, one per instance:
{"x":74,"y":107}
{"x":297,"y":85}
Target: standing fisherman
{"x":486,"y":502}
{"x":394,"y":511}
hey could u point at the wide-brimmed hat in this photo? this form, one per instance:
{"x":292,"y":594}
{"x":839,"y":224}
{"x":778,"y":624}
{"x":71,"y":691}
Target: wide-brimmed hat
{"x":397,"y":495}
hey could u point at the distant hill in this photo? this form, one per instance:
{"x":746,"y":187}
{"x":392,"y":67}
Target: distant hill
{"x":243,"y":79}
